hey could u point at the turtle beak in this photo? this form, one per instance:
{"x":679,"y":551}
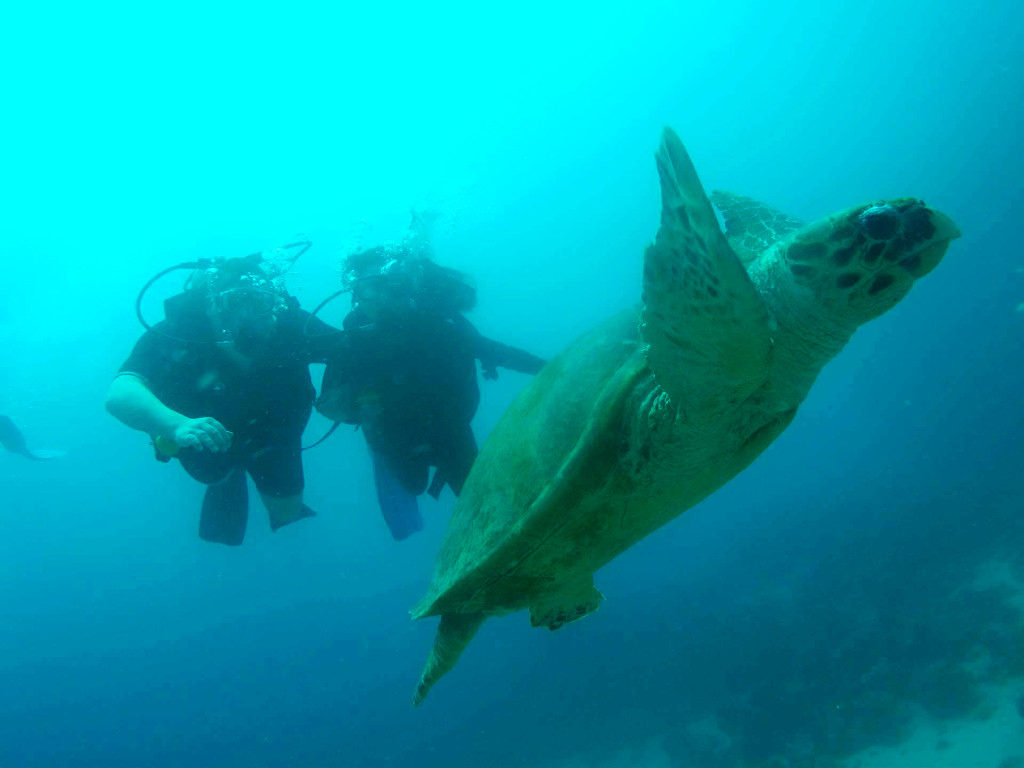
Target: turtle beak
{"x":931,"y":232}
{"x":945,"y":229}
{"x":929,"y":253}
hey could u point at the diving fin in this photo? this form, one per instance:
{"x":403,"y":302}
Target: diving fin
{"x":14,"y":441}
{"x":437,"y":484}
{"x":277,"y":523}
{"x":399,"y":507}
{"x":225,"y":510}
{"x":43,"y":454}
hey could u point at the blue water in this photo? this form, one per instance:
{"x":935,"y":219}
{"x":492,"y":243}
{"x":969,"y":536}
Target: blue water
{"x":811,"y":607}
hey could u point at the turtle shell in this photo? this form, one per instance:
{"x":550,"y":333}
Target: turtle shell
{"x":553,"y":446}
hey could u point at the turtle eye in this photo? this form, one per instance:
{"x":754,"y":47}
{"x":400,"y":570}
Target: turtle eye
{"x":880,"y":222}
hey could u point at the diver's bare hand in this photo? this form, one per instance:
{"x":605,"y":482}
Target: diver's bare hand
{"x":206,"y":434}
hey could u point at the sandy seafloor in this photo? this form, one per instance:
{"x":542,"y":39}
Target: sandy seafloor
{"x":992,"y":737}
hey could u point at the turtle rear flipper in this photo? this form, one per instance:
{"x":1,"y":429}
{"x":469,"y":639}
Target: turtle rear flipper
{"x":453,"y":635}
{"x":567,"y":604}
{"x":708,"y":329}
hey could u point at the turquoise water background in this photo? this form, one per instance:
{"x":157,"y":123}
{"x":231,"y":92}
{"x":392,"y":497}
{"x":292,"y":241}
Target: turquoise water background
{"x":814,"y":607}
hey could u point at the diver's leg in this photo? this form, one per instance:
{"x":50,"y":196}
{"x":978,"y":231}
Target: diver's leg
{"x":397,"y":504}
{"x":225,"y":510}
{"x":283,"y":510}
{"x":277,"y":473}
{"x":206,"y":467}
{"x":455,"y":459}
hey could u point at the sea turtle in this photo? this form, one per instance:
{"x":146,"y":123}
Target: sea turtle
{"x":655,"y":409}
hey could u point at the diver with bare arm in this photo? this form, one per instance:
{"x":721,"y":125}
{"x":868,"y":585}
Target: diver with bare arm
{"x":223,"y":385}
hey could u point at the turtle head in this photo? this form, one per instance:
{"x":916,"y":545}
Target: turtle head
{"x":827,"y":279}
{"x":860,"y":263}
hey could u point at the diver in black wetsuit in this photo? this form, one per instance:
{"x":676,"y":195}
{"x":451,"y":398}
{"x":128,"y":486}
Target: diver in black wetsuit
{"x":223,"y":385}
{"x":12,"y":439}
{"x":408,"y":376}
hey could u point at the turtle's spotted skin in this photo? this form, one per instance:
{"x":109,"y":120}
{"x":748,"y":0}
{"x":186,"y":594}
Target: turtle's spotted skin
{"x":651,"y":412}
{"x":867,"y":250}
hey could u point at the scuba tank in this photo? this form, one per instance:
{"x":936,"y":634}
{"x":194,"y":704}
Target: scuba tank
{"x":263,"y":271}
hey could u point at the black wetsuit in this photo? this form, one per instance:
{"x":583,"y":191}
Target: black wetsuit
{"x":266,"y":403}
{"x":411,"y":382}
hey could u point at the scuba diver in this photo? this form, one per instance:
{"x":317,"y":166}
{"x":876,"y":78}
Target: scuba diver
{"x":223,"y":385}
{"x":12,"y":439}
{"x":408,"y":376}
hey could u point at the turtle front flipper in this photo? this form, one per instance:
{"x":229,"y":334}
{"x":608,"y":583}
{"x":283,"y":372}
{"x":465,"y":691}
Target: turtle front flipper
{"x":708,"y":331}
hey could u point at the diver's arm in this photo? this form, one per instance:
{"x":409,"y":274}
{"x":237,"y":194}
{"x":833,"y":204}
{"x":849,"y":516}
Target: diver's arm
{"x":132,"y":403}
{"x":337,"y":399}
{"x":321,"y":343}
{"x":493,"y":354}
{"x":513,"y":358}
